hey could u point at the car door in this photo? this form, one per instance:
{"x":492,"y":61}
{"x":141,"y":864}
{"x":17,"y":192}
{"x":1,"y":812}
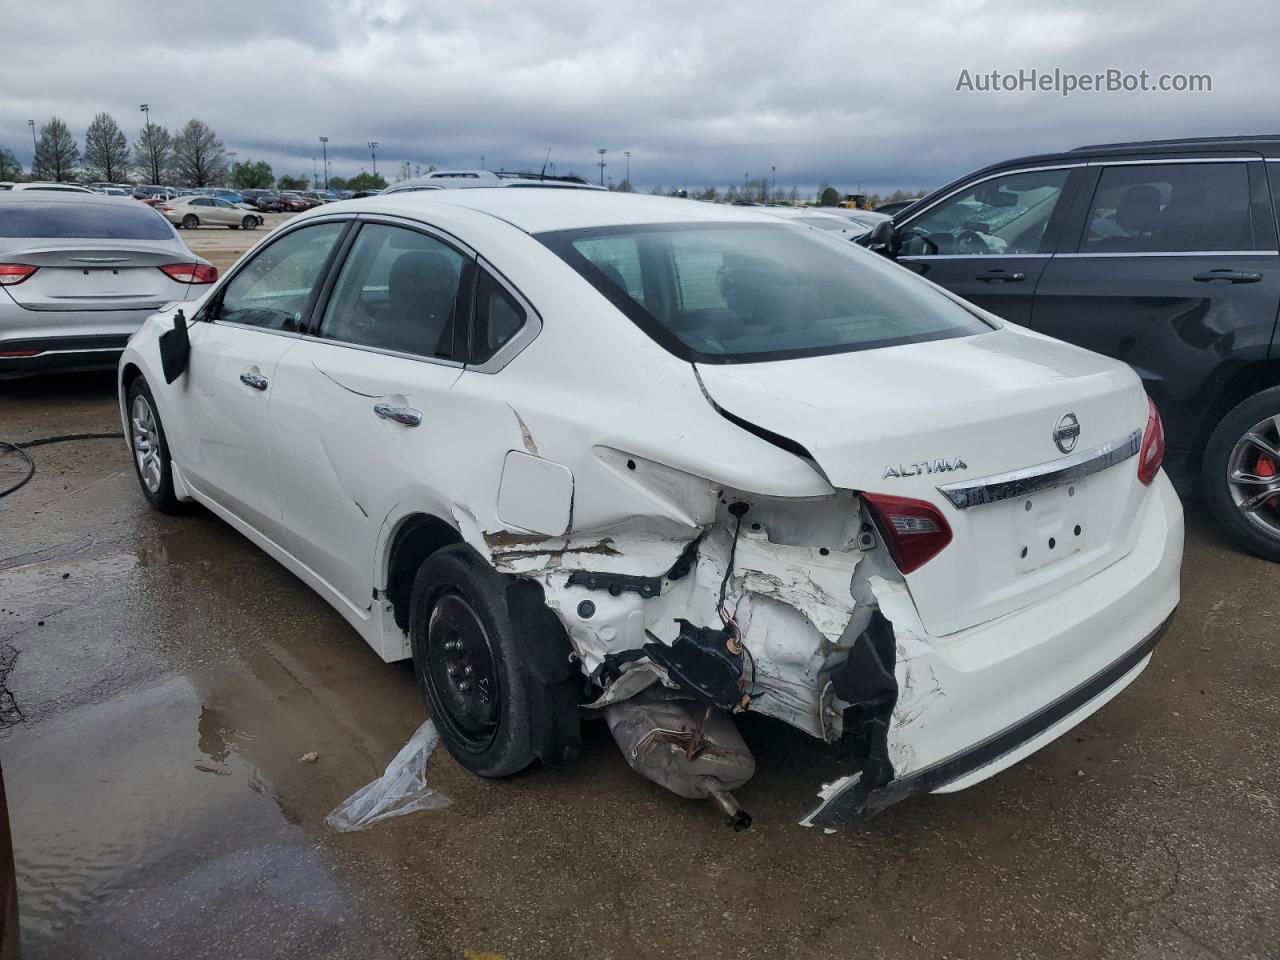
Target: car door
{"x":223,"y":213}
{"x":363,"y":415}
{"x":1171,"y":266}
{"x":227,"y":395}
{"x":989,"y":240}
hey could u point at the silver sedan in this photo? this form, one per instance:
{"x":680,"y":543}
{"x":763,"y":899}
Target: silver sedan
{"x":79,"y":272}
{"x":196,"y":211}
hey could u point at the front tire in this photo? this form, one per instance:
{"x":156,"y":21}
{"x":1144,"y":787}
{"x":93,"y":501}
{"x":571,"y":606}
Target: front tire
{"x":493,"y":664}
{"x":191,"y":221}
{"x":150,"y":448}
{"x":249,"y":223}
{"x":1241,"y":474}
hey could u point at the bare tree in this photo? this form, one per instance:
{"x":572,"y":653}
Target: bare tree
{"x":198,"y":157}
{"x":56,"y":153}
{"x":10,"y":168}
{"x":152,"y":152}
{"x":106,"y":151}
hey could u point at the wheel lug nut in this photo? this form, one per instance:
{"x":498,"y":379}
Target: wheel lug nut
{"x":464,"y":686}
{"x":466,"y":671}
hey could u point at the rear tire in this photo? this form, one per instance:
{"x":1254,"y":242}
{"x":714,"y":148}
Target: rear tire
{"x":150,"y":448}
{"x":1253,"y":463}
{"x":191,"y":221}
{"x":493,"y":664}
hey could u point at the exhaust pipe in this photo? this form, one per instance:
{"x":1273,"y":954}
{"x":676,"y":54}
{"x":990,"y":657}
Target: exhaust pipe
{"x":693,"y":750}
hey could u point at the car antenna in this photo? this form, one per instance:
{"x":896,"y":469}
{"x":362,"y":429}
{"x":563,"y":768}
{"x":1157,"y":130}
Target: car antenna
{"x":543,"y":174}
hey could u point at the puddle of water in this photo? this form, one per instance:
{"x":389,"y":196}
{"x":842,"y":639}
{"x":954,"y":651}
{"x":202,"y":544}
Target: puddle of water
{"x":180,"y":813}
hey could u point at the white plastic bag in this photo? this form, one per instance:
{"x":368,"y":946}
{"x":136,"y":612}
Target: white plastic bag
{"x":401,"y":789}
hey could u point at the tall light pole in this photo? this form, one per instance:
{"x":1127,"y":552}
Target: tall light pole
{"x":34,"y":148}
{"x":373,"y":146}
{"x":627,"y":154}
{"x":324,"y":147}
{"x":602,"y":151}
{"x":315,"y":176}
{"x":773,"y":185}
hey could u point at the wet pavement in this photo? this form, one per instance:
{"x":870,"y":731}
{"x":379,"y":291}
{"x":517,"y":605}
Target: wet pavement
{"x":170,"y":676}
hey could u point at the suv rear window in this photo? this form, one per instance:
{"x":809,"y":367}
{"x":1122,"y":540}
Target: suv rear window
{"x":743,"y":292}
{"x":89,"y":221}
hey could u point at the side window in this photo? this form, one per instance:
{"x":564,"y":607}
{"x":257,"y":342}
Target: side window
{"x":1005,"y":216}
{"x":618,"y":258}
{"x":397,"y":291}
{"x":1171,"y":208}
{"x":273,"y":288}
{"x":498,"y":317}
{"x":201,"y":202}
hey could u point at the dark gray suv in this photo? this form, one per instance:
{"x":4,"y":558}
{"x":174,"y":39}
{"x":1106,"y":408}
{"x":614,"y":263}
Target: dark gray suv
{"x":1162,"y":254}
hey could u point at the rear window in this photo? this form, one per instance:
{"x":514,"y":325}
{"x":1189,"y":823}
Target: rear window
{"x":734,"y":293}
{"x":90,"y":221}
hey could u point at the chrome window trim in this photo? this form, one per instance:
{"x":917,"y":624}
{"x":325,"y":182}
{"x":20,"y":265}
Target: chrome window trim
{"x":977,"y":256}
{"x":1175,"y":253}
{"x":527,"y":333}
{"x":1136,"y":163}
{"x":1020,"y":483}
{"x":991,"y":176}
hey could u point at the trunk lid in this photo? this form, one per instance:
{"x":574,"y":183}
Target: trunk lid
{"x":96,"y":275}
{"x":906,"y":420}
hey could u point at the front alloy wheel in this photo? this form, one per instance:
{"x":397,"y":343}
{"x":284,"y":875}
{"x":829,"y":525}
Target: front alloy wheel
{"x":1253,"y":476}
{"x":1241,"y":473}
{"x":146,"y":443}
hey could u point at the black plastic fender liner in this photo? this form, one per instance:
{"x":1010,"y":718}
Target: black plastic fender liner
{"x":854,"y":801}
{"x":549,"y":657}
{"x":867,"y":683}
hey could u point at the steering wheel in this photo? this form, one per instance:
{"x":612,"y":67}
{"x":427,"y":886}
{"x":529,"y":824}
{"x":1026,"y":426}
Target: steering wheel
{"x":970,"y":241}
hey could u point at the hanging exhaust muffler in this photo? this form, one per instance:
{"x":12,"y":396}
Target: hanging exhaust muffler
{"x":692,"y":749}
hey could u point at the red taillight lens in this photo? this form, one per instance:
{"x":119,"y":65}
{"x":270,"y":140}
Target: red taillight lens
{"x":11,"y":274}
{"x":1151,"y":455}
{"x":916,"y":530}
{"x":190,"y":272}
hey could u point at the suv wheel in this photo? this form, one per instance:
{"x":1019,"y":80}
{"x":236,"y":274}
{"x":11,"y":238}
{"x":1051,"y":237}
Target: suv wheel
{"x":1241,"y":473}
{"x":493,"y":666}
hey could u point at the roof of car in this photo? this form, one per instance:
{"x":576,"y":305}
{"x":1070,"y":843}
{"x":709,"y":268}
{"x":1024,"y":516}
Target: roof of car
{"x":65,"y":196}
{"x":540,"y":211}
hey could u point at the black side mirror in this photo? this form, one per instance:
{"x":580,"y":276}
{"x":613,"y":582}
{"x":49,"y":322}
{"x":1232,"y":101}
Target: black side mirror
{"x":175,"y":348}
{"x":879,"y":238}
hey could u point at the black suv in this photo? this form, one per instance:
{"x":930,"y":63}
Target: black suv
{"x":1162,"y":254}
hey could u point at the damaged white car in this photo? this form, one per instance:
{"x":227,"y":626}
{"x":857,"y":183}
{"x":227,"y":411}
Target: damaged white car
{"x":668,"y":462}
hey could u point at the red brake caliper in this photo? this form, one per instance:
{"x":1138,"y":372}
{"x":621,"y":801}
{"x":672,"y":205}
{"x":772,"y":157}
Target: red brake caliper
{"x":1267,"y":468}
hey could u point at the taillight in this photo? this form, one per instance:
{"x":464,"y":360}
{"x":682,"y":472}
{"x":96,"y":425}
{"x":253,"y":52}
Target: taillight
{"x":1151,"y":454}
{"x":916,"y":530}
{"x":190,"y":272}
{"x":12,"y":274}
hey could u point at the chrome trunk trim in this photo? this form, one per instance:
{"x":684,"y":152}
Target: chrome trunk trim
{"x":1019,"y":483}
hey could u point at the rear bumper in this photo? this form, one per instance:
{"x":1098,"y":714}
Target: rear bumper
{"x":975,"y":703}
{"x":20,"y":358}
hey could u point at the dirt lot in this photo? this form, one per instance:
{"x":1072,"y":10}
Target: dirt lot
{"x":169,"y":676}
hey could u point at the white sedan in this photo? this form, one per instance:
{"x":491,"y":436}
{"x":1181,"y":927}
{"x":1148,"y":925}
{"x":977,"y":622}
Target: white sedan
{"x":673,"y":462}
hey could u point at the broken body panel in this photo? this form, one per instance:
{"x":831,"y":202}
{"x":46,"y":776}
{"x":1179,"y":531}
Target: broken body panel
{"x":612,"y":484}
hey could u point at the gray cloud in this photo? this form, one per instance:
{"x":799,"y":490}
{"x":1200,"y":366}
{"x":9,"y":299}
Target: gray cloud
{"x":841,"y":92}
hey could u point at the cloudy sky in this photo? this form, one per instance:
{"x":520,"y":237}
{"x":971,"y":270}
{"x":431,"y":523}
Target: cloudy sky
{"x":854,"y":94}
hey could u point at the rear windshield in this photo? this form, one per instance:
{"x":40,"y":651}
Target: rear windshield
{"x":734,"y":293}
{"x":92,"y":221}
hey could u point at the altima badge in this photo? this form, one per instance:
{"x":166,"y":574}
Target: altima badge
{"x":1067,"y":432}
{"x":921,"y":467}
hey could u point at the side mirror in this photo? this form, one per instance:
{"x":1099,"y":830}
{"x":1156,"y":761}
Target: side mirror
{"x":175,"y":348}
{"x":879,"y":238}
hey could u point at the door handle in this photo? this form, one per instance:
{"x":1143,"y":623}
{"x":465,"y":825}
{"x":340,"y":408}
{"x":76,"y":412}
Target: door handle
{"x":405,"y":415}
{"x":255,"y":380}
{"x":1226,"y":276}
{"x":1001,"y":276}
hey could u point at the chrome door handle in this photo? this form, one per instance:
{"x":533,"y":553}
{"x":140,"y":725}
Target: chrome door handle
{"x":1001,"y":276}
{"x":257,"y":381}
{"x":405,"y":415}
{"x":1224,"y":276}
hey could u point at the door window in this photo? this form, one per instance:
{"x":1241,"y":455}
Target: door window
{"x":498,"y":317}
{"x":397,"y":291}
{"x":1171,"y":208}
{"x":1005,"y":216}
{"x":272,"y":290}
